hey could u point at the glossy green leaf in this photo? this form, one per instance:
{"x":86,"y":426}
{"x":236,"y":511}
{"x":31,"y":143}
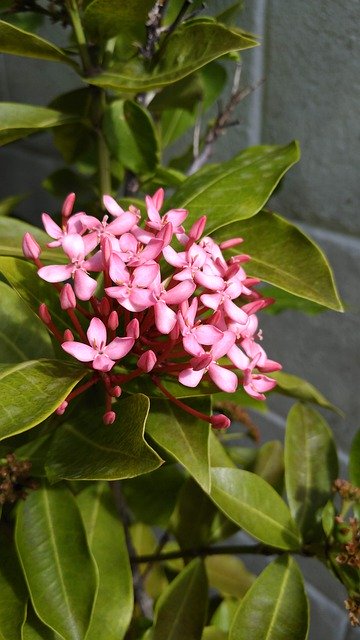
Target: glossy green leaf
{"x":187,"y":49}
{"x":135,"y":149}
{"x":193,"y":516}
{"x":143,"y":493}
{"x":35,"y":629}
{"x":269,"y":464}
{"x":104,"y":19}
{"x":284,"y":301}
{"x":31,"y":391}
{"x":20,"y":120}
{"x":354,"y":461}
{"x":224,"y":614}
{"x":310,"y":468}
{"x":180,"y":611}
{"x":13,"y":590}
{"x":33,"y":290}
{"x":105,"y":533}
{"x":184,"y":94}
{"x":18,"y":42}
{"x":255,"y":506}
{"x":285,"y":257}
{"x":219,"y":456}
{"x":84,"y":449}
{"x":295,"y":387}
{"x":182,"y":435}
{"x":328,"y":518}
{"x":12,"y":232}
{"x":228,"y":575}
{"x":276,"y":607}
{"x":22,"y":335}
{"x":56,"y":560}
{"x":145,"y":385}
{"x":236,"y":189}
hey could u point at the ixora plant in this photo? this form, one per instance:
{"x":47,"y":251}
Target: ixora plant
{"x":130,"y":340}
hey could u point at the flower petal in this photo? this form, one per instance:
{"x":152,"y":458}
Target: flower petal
{"x":80,"y":351}
{"x":119,"y":347}
{"x":223,"y":378}
{"x":84,"y":286}
{"x":56,"y":273}
{"x":191,"y":378}
{"x":96,"y":333}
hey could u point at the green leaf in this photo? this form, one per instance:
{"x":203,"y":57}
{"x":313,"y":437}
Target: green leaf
{"x":84,"y":449}
{"x":135,"y":149}
{"x":269,"y":464}
{"x":354,"y":461}
{"x":285,"y":257}
{"x":20,"y":120}
{"x":18,"y":42}
{"x":184,"y":94}
{"x":104,"y":19}
{"x":105,"y":533}
{"x":7,"y":205}
{"x":34,"y":629}
{"x":22,"y":335}
{"x":11,"y":235}
{"x":275,"y":607}
{"x":193,"y":516}
{"x":142,"y":494}
{"x":228,"y":575}
{"x":57,"y":564}
{"x":33,"y":290}
{"x":214,"y":633}
{"x":181,"y":609}
{"x":295,"y":387}
{"x":13,"y":590}
{"x":285,"y":301}
{"x":310,"y":468}
{"x":224,"y":614}
{"x":219,"y":456}
{"x":255,"y":506}
{"x":182,"y":435}
{"x":31,"y":391}
{"x":328,"y":518}
{"x":187,"y":49}
{"x":236,"y":189}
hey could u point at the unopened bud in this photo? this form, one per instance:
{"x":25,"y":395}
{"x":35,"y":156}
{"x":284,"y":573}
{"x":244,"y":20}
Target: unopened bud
{"x":62,"y":408}
{"x":31,"y":249}
{"x":147,"y":361}
{"x":112,"y":206}
{"x":68,"y":205}
{"x":220,"y":422}
{"x":113,"y":321}
{"x":67,"y":297}
{"x":68,"y":336}
{"x":197,"y":229}
{"x":44,"y":313}
{"x":166,"y":233}
{"x":104,"y":307}
{"x":106,"y":249}
{"x":133,"y":329}
{"x":109,"y":417}
{"x":115,"y":391}
{"x":232,"y":242}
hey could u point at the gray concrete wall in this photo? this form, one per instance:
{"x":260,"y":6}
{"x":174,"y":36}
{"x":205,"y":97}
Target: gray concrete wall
{"x":310,"y":58}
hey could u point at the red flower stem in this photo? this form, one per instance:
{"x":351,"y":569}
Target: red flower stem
{"x":126,"y":378}
{"x":77,"y":324}
{"x":184,"y":407}
{"x":83,"y":387}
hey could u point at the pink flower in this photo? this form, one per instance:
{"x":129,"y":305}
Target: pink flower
{"x":205,"y":362}
{"x":102,"y":356}
{"x":134,"y":291}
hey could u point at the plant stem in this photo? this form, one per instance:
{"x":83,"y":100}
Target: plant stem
{"x":73,"y":10}
{"x":256,"y":549}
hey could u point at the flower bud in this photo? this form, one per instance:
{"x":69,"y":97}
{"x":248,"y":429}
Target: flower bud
{"x":220,"y":422}
{"x":68,"y":336}
{"x":109,"y":417}
{"x":31,"y":249}
{"x":232,"y":242}
{"x":197,"y":229}
{"x":68,"y":205}
{"x":104,"y":307}
{"x":147,"y":361}
{"x":115,"y":391}
{"x":62,"y":408}
{"x":133,"y":329}
{"x":113,"y":321}
{"x":67,"y":297}
{"x":44,"y":313}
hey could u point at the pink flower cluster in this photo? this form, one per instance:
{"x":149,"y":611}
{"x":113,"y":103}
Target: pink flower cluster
{"x":181,"y":310}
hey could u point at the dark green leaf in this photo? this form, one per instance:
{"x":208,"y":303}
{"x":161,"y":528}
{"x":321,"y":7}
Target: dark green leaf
{"x":255,"y":506}
{"x":295,"y":387}
{"x":213,"y":633}
{"x":125,"y":142}
{"x":182,"y":435}
{"x":310,"y":468}
{"x":275,"y":607}
{"x":31,"y":391}
{"x":105,"y":533}
{"x":143,"y":494}
{"x":184,"y":94}
{"x":105,"y":19}
{"x":285,"y":257}
{"x":269,"y":464}
{"x":58,"y":183}
{"x":224,"y":614}
{"x":84,"y":449}
{"x":181,"y":609}
{"x":23,"y":43}
{"x":13,"y":591}
{"x":236,"y":189}
{"x":56,"y":560}
{"x":20,"y":120}
{"x":354,"y":462}
{"x":188,"y":48}
{"x":33,"y":290}
{"x":22,"y":335}
{"x":7,"y":205}
{"x":193,"y":516}
{"x":34,"y":629}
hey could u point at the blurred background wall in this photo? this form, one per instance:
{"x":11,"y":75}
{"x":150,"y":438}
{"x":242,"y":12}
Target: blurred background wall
{"x":310,"y":61}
